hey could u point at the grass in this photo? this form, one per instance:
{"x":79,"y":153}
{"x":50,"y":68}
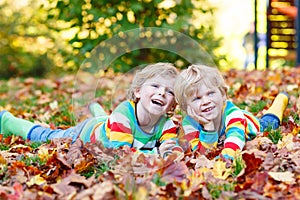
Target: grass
{"x":4,"y":147}
{"x":100,"y":168}
{"x":255,"y":108}
{"x":156,"y":179}
{"x":96,"y":170}
{"x":275,"y":135}
{"x":3,"y":173}
{"x":33,"y":160}
{"x":294,"y":116}
{"x":35,"y":145}
{"x":238,"y":165}
{"x":216,"y":190}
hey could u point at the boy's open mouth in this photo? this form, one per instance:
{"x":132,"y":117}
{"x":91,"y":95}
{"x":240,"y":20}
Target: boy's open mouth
{"x":208,"y":109}
{"x":157,"y":102}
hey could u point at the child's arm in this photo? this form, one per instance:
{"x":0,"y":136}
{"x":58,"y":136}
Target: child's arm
{"x":118,"y":128}
{"x":198,"y":138}
{"x":235,"y":131}
{"x":119,"y":131}
{"x":169,"y":140}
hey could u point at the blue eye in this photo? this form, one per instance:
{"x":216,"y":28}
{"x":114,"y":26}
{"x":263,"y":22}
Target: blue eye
{"x":211,"y":93}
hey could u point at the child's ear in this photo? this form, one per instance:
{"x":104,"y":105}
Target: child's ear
{"x":224,"y":93}
{"x":224,"y":97}
{"x":137,"y":93}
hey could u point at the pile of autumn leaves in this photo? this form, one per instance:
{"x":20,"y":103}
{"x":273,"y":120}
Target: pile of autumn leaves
{"x":268,"y":167}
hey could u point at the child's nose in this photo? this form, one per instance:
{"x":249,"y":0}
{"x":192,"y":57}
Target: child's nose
{"x":205,"y":100}
{"x":162,"y":90}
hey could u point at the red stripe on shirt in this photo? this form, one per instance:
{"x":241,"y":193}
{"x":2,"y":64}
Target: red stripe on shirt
{"x":200,"y":148}
{"x":234,"y":120}
{"x":231,"y":145}
{"x":108,"y":125}
{"x":93,"y":137}
{"x":192,"y":135}
{"x":171,"y":130}
{"x":255,"y":124}
{"x":118,"y":127}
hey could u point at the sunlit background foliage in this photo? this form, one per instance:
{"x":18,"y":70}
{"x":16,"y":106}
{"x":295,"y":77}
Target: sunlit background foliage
{"x":38,"y":37}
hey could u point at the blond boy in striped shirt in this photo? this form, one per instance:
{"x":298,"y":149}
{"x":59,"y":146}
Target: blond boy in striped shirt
{"x":201,"y":92}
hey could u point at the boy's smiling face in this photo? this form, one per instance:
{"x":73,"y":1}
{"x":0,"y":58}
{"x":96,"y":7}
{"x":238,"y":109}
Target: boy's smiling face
{"x":156,"y":96}
{"x":207,"y":102}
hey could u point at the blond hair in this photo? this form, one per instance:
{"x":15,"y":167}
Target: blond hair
{"x":195,"y":75}
{"x":158,"y":69}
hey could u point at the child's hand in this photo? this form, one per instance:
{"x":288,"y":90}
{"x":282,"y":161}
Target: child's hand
{"x":168,"y":147}
{"x":207,"y":124}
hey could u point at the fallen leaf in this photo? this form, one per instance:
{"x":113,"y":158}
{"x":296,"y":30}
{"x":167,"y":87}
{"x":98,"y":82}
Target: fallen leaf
{"x":220,"y":170}
{"x":286,"y":141}
{"x":36,"y":180}
{"x":286,"y":177}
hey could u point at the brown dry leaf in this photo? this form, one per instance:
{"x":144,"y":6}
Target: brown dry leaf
{"x":144,"y":165}
{"x":260,"y":142}
{"x":252,"y":163}
{"x":20,"y":149}
{"x":43,"y":99}
{"x":175,"y":172}
{"x":65,"y":187}
{"x":99,"y":191}
{"x":202,"y":161}
{"x":246,"y":194}
{"x":259,"y":181}
{"x":19,"y":176}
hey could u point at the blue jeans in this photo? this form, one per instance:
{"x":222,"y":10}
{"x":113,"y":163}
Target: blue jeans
{"x":42,"y":134}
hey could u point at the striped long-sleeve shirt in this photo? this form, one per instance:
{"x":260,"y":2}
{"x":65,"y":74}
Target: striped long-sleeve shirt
{"x":121,"y":128}
{"x":237,"y":126}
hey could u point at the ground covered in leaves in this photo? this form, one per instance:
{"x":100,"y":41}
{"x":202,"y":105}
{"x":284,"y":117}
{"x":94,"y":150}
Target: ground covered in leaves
{"x":268,"y":167}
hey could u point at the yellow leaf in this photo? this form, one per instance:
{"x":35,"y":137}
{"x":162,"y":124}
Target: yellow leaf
{"x":2,"y":160}
{"x":36,"y":180}
{"x":43,"y":153}
{"x":220,"y":171}
{"x":141,"y":193}
{"x":286,"y":141}
{"x":286,"y":177}
{"x":194,"y":181}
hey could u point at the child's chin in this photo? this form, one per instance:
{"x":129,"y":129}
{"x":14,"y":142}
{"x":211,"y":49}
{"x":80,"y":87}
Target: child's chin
{"x":158,"y":113}
{"x":209,"y":117}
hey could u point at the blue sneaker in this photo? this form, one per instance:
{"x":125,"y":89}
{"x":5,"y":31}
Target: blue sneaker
{"x":273,"y":116}
{"x":269,"y":121}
